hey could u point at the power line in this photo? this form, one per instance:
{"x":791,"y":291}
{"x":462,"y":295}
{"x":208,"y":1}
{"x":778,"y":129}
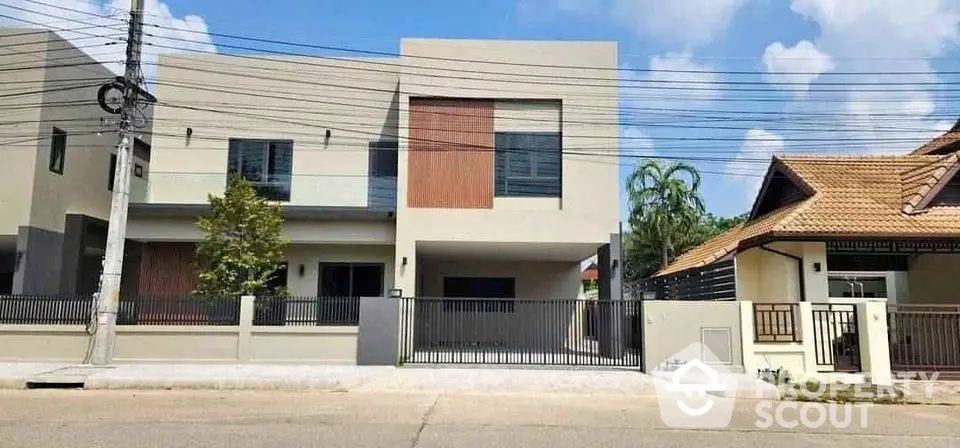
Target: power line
{"x":671,"y":98}
{"x":42,"y":31}
{"x":513,"y":78}
{"x":357,"y":103}
{"x":504,"y":63}
{"x":514,"y":75}
{"x":303,"y":81}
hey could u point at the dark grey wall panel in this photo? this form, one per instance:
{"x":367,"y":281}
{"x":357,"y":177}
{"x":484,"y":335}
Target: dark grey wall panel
{"x":39,"y":257}
{"x":379,"y":331}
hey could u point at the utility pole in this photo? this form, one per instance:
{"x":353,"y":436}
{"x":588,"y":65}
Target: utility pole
{"x":108,"y":297}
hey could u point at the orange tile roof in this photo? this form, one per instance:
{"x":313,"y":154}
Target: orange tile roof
{"x":853,"y":196}
{"x":590,"y":273}
{"x":920,"y":183}
{"x":940,"y":143}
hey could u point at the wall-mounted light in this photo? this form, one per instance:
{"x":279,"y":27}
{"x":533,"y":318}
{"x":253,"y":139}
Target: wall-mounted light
{"x":327,"y":134}
{"x":301,"y":270}
{"x":817,"y":267}
{"x":189,"y":132}
{"x":403,"y":262}
{"x":395,"y":293}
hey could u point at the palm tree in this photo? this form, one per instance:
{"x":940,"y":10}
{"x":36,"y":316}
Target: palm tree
{"x":665,"y":204}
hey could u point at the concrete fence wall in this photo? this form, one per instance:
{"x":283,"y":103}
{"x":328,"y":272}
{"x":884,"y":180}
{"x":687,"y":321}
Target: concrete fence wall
{"x":800,"y":358}
{"x":671,"y":326}
{"x":245,"y":343}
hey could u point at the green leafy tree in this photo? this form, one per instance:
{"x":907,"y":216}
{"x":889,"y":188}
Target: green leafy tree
{"x":243,"y":246}
{"x":712,"y":225}
{"x":643,"y":251}
{"x":665,"y":207}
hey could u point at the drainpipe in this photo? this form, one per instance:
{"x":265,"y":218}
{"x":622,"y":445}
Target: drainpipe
{"x":799,"y":260}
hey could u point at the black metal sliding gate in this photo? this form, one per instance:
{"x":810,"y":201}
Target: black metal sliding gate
{"x":558,"y":332}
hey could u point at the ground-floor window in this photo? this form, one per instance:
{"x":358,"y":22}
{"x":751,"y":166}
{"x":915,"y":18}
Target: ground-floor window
{"x":350,"y":280}
{"x":480,"y":288}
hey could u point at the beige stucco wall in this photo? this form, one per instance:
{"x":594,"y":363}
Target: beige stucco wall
{"x":20,"y":149}
{"x":39,"y":197}
{"x":671,"y":326}
{"x":933,"y":279}
{"x":176,"y":344}
{"x":52,"y":343}
{"x":766,"y":277}
{"x":527,"y":116}
{"x":310,"y":256}
{"x":185,"y":343}
{"x":304,"y":345}
{"x":345,"y":97}
{"x":588,"y":211}
{"x":534,"y":279}
{"x":294,"y":231}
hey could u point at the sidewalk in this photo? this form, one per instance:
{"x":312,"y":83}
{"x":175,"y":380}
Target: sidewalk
{"x":337,"y":378}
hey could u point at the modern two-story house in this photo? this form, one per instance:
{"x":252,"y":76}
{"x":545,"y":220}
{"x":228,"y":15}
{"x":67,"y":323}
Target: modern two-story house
{"x":460,"y":168}
{"x":57,"y":163}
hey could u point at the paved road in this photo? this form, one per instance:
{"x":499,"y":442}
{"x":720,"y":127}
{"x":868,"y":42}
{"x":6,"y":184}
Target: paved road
{"x":48,"y":418}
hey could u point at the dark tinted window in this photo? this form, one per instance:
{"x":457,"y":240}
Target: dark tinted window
{"x":528,"y":164}
{"x":58,"y":150}
{"x":383,"y":159}
{"x":113,"y":172}
{"x":266,"y":164}
{"x":496,"y":288}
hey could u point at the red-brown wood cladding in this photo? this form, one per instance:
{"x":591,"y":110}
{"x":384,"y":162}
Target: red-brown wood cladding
{"x":167,"y":269}
{"x":451,"y":153}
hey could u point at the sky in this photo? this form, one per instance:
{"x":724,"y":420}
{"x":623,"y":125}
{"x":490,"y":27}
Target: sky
{"x":772,"y":75}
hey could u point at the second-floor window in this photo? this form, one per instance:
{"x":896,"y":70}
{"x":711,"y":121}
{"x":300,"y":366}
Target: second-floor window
{"x":267,"y":164}
{"x":58,"y":150}
{"x":528,"y":164}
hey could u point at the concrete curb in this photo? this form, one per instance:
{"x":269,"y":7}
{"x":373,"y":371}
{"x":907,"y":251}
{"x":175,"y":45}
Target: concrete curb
{"x":220,"y":384}
{"x":13,"y":383}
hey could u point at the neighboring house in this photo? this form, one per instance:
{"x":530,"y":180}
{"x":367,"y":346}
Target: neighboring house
{"x":832,"y":228}
{"x":432,"y":173}
{"x":590,"y":276}
{"x":56,"y":164}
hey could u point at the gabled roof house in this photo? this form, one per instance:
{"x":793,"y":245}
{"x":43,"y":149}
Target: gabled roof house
{"x":826,"y":228}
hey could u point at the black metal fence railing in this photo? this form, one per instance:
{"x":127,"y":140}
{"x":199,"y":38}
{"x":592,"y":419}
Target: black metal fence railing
{"x":776,"y":322}
{"x":179,"y":310}
{"x":306,"y":311}
{"x":924,"y":338}
{"x":574,"y":332}
{"x":45,"y":310}
{"x":836,"y":335}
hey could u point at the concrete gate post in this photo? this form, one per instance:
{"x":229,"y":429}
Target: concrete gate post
{"x":612,"y":310}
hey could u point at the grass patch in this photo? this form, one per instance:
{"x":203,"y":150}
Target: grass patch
{"x":815,"y":391}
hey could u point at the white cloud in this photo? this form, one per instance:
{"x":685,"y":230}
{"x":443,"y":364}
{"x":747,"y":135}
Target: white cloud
{"x":750,"y":164}
{"x":103,"y":42}
{"x":804,"y":57}
{"x":882,"y":36}
{"x":679,"y":90}
{"x":684,"y":22}
{"x":677,"y":22}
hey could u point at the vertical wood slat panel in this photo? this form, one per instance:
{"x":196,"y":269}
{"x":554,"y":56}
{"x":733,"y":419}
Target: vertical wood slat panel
{"x":167,"y":269}
{"x":451,"y":154}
